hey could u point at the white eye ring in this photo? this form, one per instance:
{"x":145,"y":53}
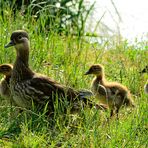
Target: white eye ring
{"x":19,"y":37}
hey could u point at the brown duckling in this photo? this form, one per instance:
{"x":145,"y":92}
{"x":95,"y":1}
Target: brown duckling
{"x":110,"y":93}
{"x":28,"y":87}
{"x":6,"y":70}
{"x":146,"y":87}
{"x":145,"y":70}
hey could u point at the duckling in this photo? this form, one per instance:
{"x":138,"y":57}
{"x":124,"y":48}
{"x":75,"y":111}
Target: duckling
{"x":112,"y":94}
{"x":6,"y":70}
{"x":145,"y":70}
{"x":28,"y":87}
{"x":146,"y":87}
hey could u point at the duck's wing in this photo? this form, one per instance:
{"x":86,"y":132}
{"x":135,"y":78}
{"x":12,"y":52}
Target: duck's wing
{"x":43,"y":90}
{"x":85,"y":93}
{"x":44,"y":87}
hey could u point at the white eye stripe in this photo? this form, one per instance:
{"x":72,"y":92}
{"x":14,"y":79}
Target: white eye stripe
{"x":20,"y":37}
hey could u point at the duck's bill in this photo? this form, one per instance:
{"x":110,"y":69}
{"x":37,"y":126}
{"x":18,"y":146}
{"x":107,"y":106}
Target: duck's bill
{"x":9,"y":44}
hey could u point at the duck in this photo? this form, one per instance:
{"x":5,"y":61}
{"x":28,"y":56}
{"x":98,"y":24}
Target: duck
{"x":5,"y":69}
{"x":29,"y":88}
{"x":112,"y":94}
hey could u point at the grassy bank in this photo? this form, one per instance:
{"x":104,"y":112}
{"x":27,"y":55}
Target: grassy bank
{"x":66,"y":59}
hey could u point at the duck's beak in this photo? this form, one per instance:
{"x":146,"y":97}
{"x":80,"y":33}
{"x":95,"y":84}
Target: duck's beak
{"x":11,"y":43}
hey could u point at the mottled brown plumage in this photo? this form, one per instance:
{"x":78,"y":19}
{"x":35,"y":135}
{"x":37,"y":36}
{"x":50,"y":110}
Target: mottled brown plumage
{"x":28,"y":87}
{"x":110,"y":93}
{"x":6,"y":70}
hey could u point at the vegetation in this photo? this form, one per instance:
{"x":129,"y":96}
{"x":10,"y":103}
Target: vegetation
{"x":68,"y":16}
{"x":66,"y":59}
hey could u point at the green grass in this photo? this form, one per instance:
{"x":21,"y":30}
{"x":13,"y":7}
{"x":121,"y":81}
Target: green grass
{"x":69,"y":58}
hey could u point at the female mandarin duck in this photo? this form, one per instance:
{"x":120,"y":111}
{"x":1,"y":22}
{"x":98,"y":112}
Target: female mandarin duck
{"x":110,"y":93}
{"x":28,"y":87}
{"x":6,"y":70}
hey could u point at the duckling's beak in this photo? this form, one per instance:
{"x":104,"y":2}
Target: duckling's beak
{"x":11,"y":43}
{"x":87,"y":73}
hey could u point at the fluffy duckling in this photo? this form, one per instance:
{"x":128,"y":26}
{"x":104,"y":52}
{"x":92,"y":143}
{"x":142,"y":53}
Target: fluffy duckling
{"x":110,"y":93}
{"x":28,"y":87}
{"x":6,"y":70}
{"x":145,"y":70}
{"x":146,"y":87}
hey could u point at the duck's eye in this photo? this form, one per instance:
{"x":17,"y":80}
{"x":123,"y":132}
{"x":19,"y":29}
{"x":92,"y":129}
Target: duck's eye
{"x":19,"y":37}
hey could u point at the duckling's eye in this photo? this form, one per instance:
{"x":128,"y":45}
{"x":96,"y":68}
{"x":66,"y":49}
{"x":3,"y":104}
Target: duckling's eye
{"x":95,"y":68}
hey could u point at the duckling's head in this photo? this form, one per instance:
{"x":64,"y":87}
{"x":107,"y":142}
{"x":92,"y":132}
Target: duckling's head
{"x":19,"y":39}
{"x":145,"y":70}
{"x":96,"y":69}
{"x":6,"y":69}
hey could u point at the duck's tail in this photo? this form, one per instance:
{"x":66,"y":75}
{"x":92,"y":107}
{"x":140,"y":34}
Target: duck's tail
{"x":85,"y":93}
{"x":83,"y":97}
{"x":128,"y":101}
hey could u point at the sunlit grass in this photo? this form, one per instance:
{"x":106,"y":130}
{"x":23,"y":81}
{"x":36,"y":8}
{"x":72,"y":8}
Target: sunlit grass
{"x":66,"y":59}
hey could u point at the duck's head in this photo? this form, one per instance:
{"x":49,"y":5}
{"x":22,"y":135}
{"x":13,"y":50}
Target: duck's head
{"x":6,"y":69}
{"x":145,"y":70}
{"x":96,"y":69}
{"x":19,"y":39}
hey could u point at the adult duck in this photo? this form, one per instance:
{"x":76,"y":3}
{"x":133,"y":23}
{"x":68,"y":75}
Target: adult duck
{"x":29,"y":88}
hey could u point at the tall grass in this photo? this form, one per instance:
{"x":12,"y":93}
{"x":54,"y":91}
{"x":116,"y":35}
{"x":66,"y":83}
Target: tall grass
{"x":66,"y":59}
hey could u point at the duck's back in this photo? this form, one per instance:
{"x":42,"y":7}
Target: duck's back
{"x":40,"y":90}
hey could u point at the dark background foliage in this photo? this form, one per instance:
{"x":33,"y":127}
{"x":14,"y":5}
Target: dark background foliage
{"x":68,"y":16}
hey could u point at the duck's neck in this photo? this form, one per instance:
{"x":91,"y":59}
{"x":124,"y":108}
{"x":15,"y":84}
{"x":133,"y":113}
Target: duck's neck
{"x":22,"y":58}
{"x":21,"y":70}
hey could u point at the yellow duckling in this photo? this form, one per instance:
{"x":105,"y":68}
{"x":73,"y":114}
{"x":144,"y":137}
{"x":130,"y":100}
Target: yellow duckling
{"x":110,"y":93}
{"x":6,"y":70}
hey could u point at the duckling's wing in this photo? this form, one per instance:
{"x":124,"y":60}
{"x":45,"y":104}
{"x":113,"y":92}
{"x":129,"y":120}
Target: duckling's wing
{"x":4,"y":88}
{"x":102,"y":90}
{"x":146,"y":88}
